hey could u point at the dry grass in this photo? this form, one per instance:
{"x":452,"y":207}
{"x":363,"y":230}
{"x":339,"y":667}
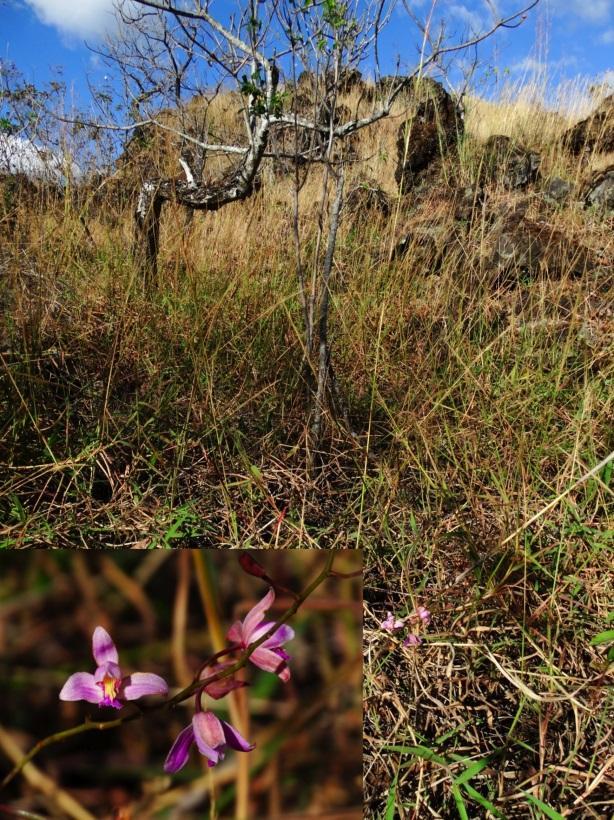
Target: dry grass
{"x":178,"y":419}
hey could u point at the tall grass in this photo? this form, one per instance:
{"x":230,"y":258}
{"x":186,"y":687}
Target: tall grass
{"x":178,"y":417}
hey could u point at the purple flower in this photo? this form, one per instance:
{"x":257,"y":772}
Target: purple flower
{"x":211,"y":736}
{"x":106,"y":686}
{"x":424,"y":615}
{"x":390,"y":624}
{"x":269,"y":655}
{"x":412,"y":640}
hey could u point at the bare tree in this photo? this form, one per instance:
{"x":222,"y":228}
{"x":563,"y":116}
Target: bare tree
{"x":171,"y":51}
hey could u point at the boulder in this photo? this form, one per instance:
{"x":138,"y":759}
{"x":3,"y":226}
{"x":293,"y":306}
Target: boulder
{"x":595,"y":133}
{"x":599,"y":192}
{"x":511,"y":164}
{"x":434,"y":126}
{"x":468,"y":201}
{"x":518,"y":251}
{"x":366,"y":198}
{"x":349,"y":80}
{"x":557,"y":191}
{"x":426,"y":244}
{"x":518,"y":246}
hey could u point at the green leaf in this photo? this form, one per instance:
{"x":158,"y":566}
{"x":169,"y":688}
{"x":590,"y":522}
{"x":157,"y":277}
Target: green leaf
{"x":479,"y":798}
{"x":603,"y":637}
{"x":547,"y":810}
{"x":470,"y":772}
{"x":392,"y":799}
{"x":460,"y":803}
{"x":417,"y":751}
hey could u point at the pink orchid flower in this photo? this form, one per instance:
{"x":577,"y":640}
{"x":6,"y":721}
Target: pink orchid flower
{"x":424,"y":615}
{"x":106,"y":686}
{"x":270,"y":655}
{"x":211,"y":735}
{"x":391,"y":624}
{"x":412,"y":640}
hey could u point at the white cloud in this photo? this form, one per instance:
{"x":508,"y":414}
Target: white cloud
{"x":83,"y":18}
{"x":608,"y":37}
{"x":529,"y":65}
{"x":470,"y":18}
{"x":593,"y":11}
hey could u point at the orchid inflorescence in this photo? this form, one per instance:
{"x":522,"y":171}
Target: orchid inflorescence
{"x":420,"y":618}
{"x":212,"y":736}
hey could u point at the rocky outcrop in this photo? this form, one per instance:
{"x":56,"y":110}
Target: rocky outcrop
{"x":504,"y":161}
{"x":557,"y":191}
{"x":595,"y":133}
{"x":468,"y":202}
{"x":350,"y":79}
{"x":365,"y":199}
{"x":519,"y":247}
{"x":434,"y":126}
{"x":599,"y":192}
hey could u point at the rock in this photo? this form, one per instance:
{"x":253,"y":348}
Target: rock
{"x":519,"y":251}
{"x":306,"y":81}
{"x":468,"y":200}
{"x":435,"y":126}
{"x":386,"y":84}
{"x":595,"y":133}
{"x":365,"y":198}
{"x":518,"y":246}
{"x":349,"y":79}
{"x":426,"y":245}
{"x":515,"y":166}
{"x":600,"y":190}
{"x":557,"y":191}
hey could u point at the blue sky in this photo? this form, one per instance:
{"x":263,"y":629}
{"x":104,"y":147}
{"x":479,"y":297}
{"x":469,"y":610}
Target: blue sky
{"x":567,"y":37}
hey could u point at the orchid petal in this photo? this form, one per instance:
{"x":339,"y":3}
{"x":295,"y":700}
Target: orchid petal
{"x":143,"y":683}
{"x":412,"y":640}
{"x":180,"y":751}
{"x":208,"y":735}
{"x":270,"y":661}
{"x":424,"y":614}
{"x":81,"y":686}
{"x":236,"y":740}
{"x":209,"y":728}
{"x":391,"y":624}
{"x":107,"y":670}
{"x":219,"y":688}
{"x":282,"y":634}
{"x":103,"y":648}
{"x":235,"y":633}
{"x":254,"y":617}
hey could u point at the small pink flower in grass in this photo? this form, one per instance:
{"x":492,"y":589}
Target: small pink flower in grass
{"x":424,"y":615}
{"x":391,"y":624}
{"x":270,"y":655}
{"x":211,"y":735}
{"x":106,"y":686}
{"x":412,"y":640}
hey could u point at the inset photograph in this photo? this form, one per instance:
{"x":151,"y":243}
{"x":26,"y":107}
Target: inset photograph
{"x":181,"y":684}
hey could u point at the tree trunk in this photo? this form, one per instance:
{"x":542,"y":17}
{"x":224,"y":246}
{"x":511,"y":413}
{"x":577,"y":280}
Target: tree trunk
{"x":147,"y":231}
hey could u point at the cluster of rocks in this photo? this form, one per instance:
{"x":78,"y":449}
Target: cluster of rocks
{"x":595,"y":133}
{"x":434,"y":126}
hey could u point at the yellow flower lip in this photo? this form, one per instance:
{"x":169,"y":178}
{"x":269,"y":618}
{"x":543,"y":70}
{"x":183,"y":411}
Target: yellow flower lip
{"x":110,"y":685}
